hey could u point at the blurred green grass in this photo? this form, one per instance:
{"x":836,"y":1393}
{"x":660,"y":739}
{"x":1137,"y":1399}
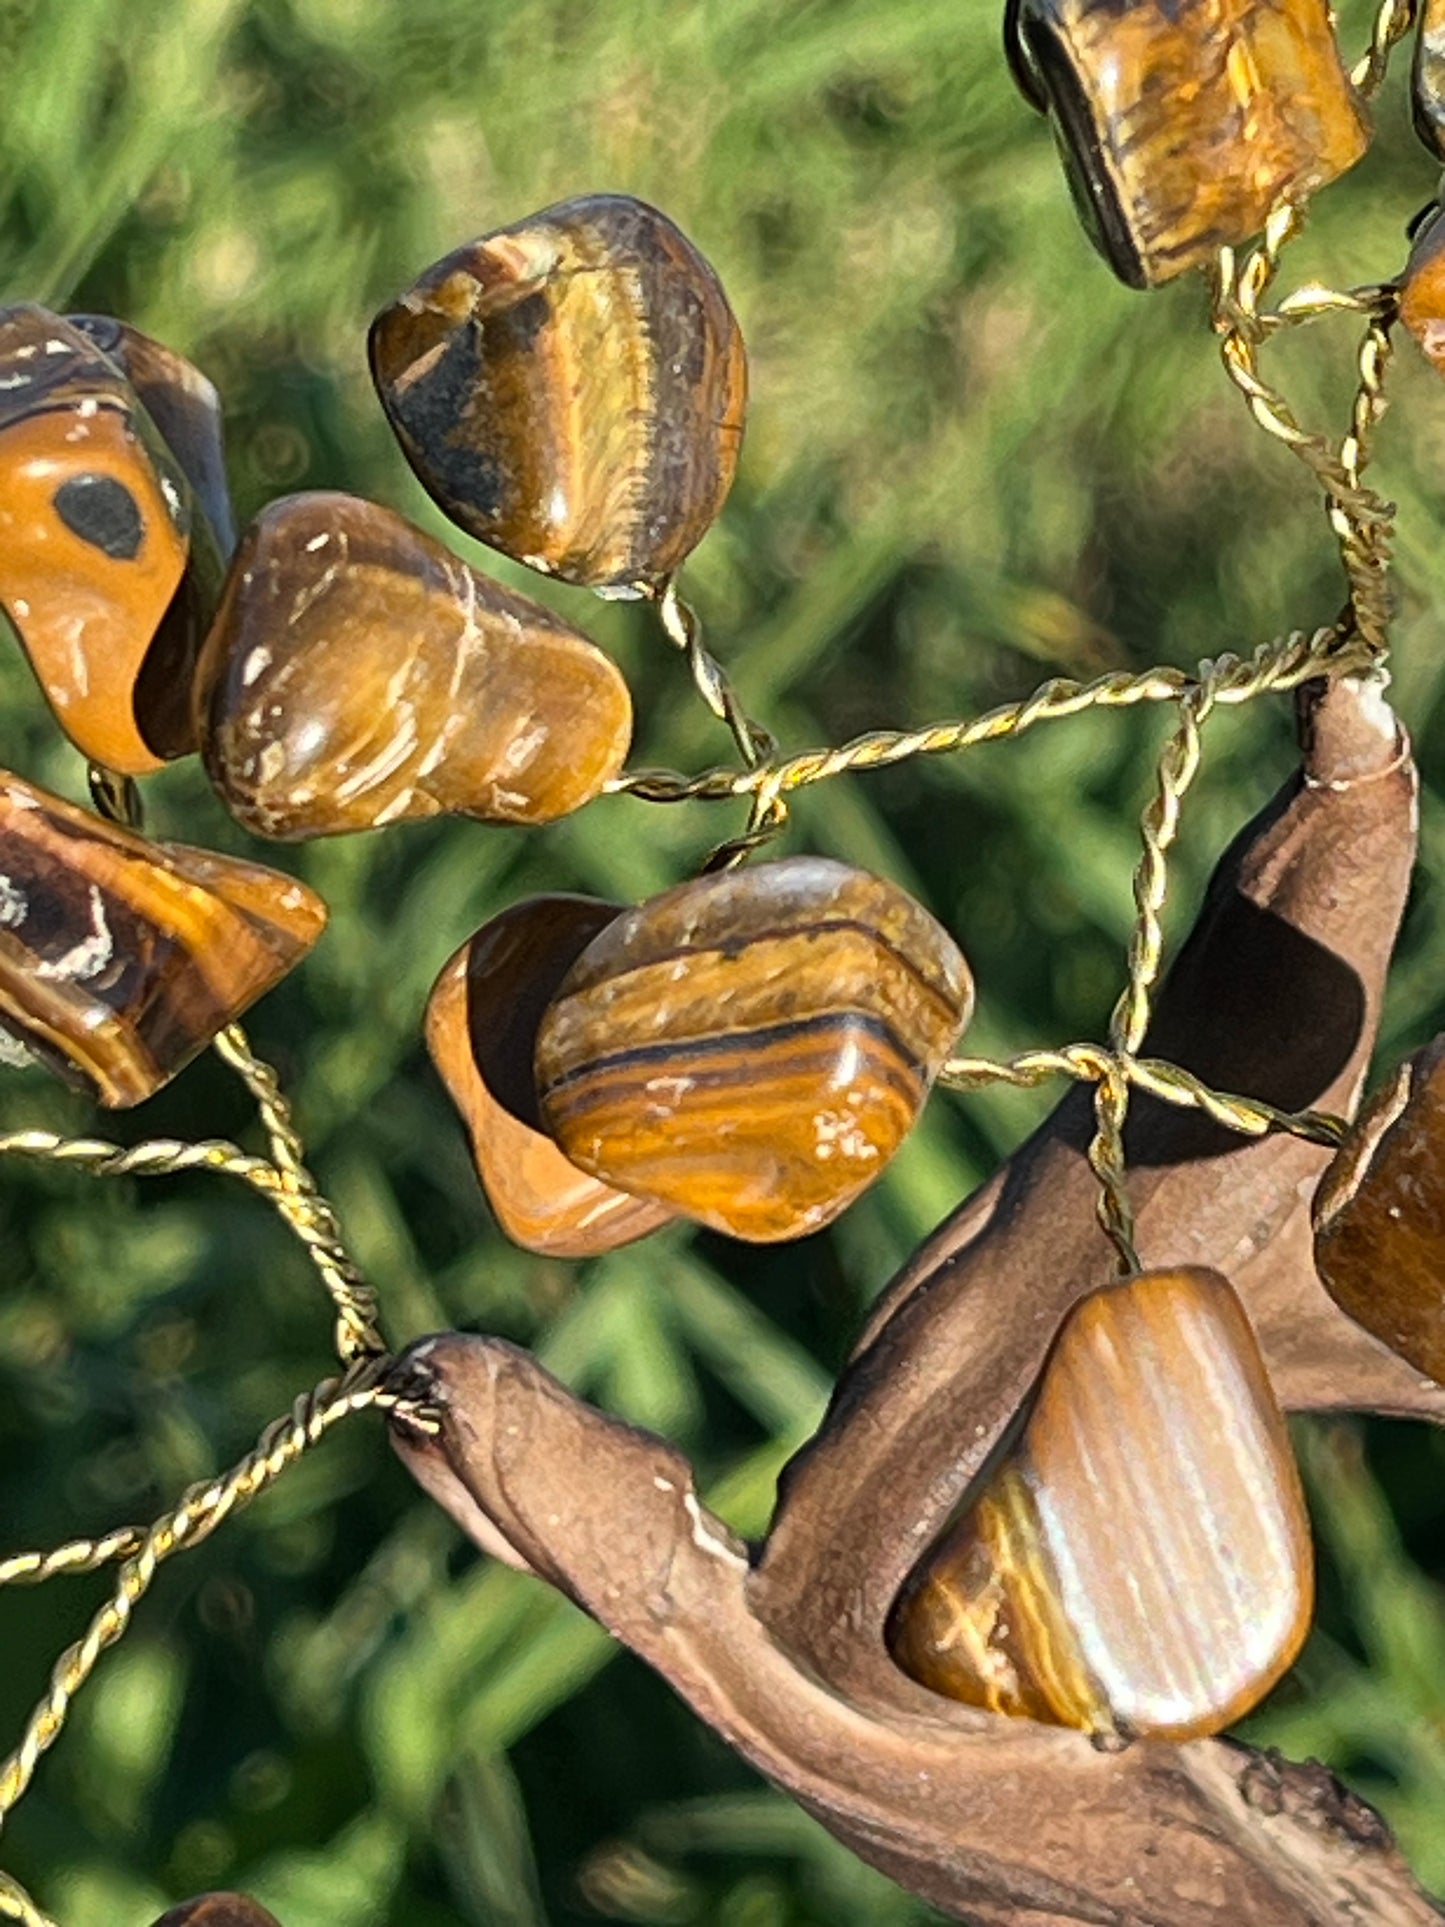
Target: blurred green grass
{"x":972,"y":460}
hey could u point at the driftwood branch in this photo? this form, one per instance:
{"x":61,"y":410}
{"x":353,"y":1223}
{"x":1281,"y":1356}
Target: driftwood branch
{"x":1277,"y":993}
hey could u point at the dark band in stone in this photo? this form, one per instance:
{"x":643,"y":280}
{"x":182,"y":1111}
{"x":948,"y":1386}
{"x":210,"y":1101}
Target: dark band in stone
{"x":103,"y":512}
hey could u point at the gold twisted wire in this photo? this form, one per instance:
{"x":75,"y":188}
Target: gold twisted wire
{"x":308,"y":1217}
{"x":756,"y":744}
{"x":16,"y":1904}
{"x":1087,"y":1063}
{"x":1027,"y":1069}
{"x":75,"y":1556}
{"x":1106,"y":1160}
{"x":1361,"y":519}
{"x":198,"y":1513}
{"x":1158,"y":826}
{"x":1249,"y":1116}
{"x":1392,"y":22}
{"x":312,"y":1217}
{"x":1276,"y":666}
{"x":1176,"y":769}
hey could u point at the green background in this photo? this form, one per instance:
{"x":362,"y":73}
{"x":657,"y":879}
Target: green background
{"x":973,"y":460}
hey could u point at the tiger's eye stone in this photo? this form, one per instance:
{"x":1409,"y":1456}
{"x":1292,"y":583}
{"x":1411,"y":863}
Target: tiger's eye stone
{"x":752,"y":1048}
{"x":1379,"y":1215}
{"x":1183,"y":122}
{"x":121,"y":959}
{"x":481,"y":1030}
{"x":106,"y":572}
{"x":219,"y":1910}
{"x":184,"y":406}
{"x":1137,"y":1559}
{"x":571,"y":390}
{"x":1428,"y":77}
{"x":359,"y":673}
{"x":1422,"y":291}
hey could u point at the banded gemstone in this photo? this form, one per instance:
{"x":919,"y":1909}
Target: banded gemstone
{"x":1184,"y":122}
{"x":219,"y":1910}
{"x":106,"y":572}
{"x":571,"y":390}
{"x":481,"y":1030}
{"x":1428,"y":77}
{"x":359,"y":673}
{"x":1137,"y":1559}
{"x":183,"y":405}
{"x":121,"y":959}
{"x":752,"y":1048}
{"x":1379,"y":1215}
{"x":1422,"y":290}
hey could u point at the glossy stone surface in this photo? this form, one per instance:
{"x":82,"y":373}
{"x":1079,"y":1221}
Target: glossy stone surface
{"x":106,"y":571}
{"x":571,"y":389}
{"x":359,"y":673}
{"x":752,"y":1048}
{"x":481,"y":1030}
{"x":1138,"y":1560}
{"x":219,"y":1910}
{"x":1428,"y":77}
{"x":185,"y":407}
{"x":1422,"y":291}
{"x":121,"y":959}
{"x":1183,"y":122}
{"x":1380,"y":1215}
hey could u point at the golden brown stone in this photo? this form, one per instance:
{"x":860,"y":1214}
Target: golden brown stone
{"x":571,"y":390}
{"x":1422,"y":290}
{"x":1428,"y":77}
{"x":219,"y":1910}
{"x":1183,"y":122}
{"x":481,"y":1030}
{"x":752,"y":1048}
{"x":359,"y":673}
{"x":1380,"y":1215}
{"x":106,"y":571}
{"x":1138,"y":1560}
{"x":121,"y":959}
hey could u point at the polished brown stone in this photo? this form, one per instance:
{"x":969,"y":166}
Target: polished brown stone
{"x":1138,"y":1560}
{"x":1380,"y":1215}
{"x":219,"y":1910}
{"x":751,"y":1048}
{"x":184,"y":406}
{"x":481,"y":1030}
{"x":359,"y":673}
{"x":571,"y":390}
{"x":107,"y":572}
{"x":1422,"y":290}
{"x":1428,"y":77}
{"x":1184,"y":122}
{"x":121,"y":959}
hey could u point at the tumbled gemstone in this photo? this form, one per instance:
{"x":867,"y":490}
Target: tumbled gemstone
{"x":121,"y":959}
{"x":1137,"y":1558}
{"x":1183,"y":122}
{"x":1380,"y":1215}
{"x":184,"y":406}
{"x":752,"y":1048}
{"x":481,"y":1030}
{"x":359,"y":673}
{"x":219,"y":1910}
{"x":571,"y":390}
{"x":1428,"y":77}
{"x":1422,"y":290}
{"x":106,"y":572}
